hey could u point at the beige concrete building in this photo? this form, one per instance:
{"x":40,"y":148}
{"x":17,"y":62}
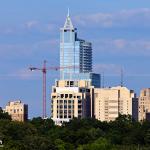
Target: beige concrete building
{"x":17,"y":110}
{"x":71,"y":99}
{"x":110,"y":102}
{"x":144,"y":104}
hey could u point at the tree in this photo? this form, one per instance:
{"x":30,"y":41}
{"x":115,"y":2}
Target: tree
{"x":4,"y":115}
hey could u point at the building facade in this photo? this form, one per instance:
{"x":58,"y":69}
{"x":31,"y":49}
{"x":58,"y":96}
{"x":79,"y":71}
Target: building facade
{"x":110,"y":102}
{"x":70,"y":99}
{"x":17,"y":110}
{"x":144,"y":104}
{"x":77,"y":54}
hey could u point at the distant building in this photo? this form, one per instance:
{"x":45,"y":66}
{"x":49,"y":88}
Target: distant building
{"x":135,"y":108}
{"x":77,"y":53}
{"x":70,"y":99}
{"x":144,"y":104}
{"x":110,"y":102}
{"x":17,"y":110}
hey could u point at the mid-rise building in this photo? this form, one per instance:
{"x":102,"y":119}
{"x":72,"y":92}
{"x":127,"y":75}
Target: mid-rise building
{"x":77,"y":53}
{"x":110,"y":102}
{"x":70,"y":99}
{"x":17,"y":110}
{"x":144,"y":104}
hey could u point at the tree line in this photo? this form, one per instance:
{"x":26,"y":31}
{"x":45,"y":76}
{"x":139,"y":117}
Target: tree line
{"x":78,"y":134}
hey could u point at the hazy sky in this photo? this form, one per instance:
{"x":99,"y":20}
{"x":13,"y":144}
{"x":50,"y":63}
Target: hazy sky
{"x":29,"y":33}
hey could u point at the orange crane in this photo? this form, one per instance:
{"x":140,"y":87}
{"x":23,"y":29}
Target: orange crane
{"x":44,"y":70}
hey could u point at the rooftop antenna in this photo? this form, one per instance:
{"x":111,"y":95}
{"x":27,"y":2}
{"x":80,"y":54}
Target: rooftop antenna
{"x":121,"y":82}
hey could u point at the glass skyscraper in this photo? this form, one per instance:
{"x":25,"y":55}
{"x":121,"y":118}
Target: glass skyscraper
{"x":76,"y":56}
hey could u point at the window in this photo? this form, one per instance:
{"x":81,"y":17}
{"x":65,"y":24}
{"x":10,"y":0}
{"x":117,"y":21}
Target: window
{"x":145,"y":93}
{"x":66,"y":95}
{"x":67,"y":83}
{"x":65,"y":111}
{"x":78,"y":97}
{"x":70,"y":95}
{"x":71,"y":83}
{"x":65,"y":106}
{"x":60,"y":111}
{"x":80,"y":106}
{"x":118,"y":93}
{"x":61,"y":106}
{"x":79,"y":111}
{"x":54,"y":90}
{"x":62,"y":96}
{"x":87,"y":90}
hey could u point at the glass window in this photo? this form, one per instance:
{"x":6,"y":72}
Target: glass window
{"x":62,"y":96}
{"x":79,"y":106}
{"x":65,"y":111}
{"x":65,"y":106}
{"x":79,"y":101}
{"x":66,"y":95}
{"x":70,"y":95}
{"x":79,"y":111}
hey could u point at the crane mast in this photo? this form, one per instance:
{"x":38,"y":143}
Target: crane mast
{"x":44,"y":70}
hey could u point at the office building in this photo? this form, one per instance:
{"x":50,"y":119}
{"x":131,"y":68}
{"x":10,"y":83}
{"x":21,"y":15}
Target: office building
{"x":71,"y":99}
{"x":144,"y":104}
{"x":17,"y":110}
{"x":77,"y":54}
{"x":110,"y":102}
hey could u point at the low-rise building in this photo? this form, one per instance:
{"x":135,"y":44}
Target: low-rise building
{"x":70,"y":99}
{"x":17,"y":110}
{"x":144,"y":104}
{"x":110,"y":102}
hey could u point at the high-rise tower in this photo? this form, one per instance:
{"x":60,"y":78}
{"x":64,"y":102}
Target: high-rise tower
{"x":77,"y":53}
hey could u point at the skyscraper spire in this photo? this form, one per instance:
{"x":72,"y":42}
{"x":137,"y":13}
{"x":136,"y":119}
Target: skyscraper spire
{"x":68,"y":23}
{"x":68,"y":12}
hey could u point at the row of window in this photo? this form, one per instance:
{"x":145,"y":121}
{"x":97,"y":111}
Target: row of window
{"x":66,"y":96}
{"x":14,"y":110}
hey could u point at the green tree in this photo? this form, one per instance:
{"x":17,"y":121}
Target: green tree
{"x":4,"y":115}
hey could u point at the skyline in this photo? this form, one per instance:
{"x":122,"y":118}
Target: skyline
{"x":29,"y":34}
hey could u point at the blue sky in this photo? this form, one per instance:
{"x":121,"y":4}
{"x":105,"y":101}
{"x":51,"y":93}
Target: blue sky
{"x":29,"y":33}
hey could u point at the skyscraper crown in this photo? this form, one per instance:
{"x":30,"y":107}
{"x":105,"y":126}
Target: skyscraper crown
{"x":68,"y":23}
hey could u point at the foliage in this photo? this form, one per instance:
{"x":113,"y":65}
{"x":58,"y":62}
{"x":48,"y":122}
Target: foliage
{"x":81,"y":134}
{"x":4,"y":115}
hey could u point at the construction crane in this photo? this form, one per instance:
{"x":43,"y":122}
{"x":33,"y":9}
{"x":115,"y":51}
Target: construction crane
{"x":44,"y":70}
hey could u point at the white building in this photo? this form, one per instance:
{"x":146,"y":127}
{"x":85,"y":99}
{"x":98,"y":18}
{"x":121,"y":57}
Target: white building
{"x":70,"y":99}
